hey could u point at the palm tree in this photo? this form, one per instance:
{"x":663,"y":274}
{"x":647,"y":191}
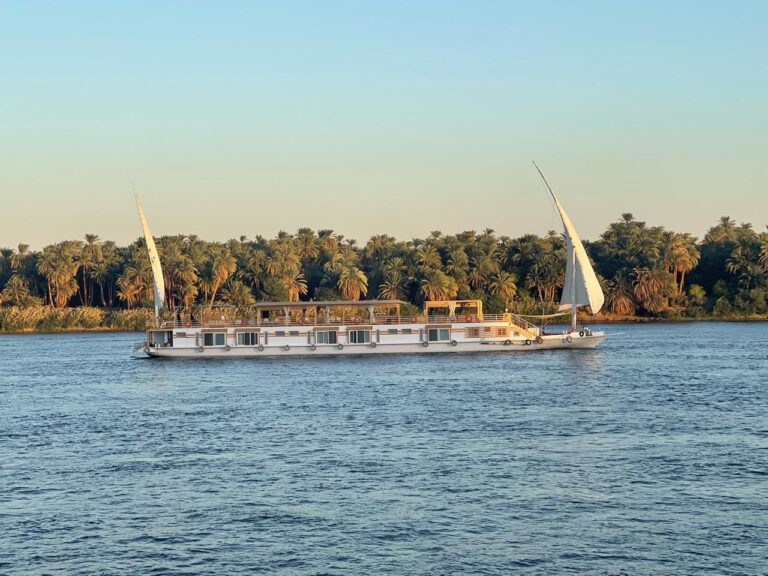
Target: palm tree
{"x":327,"y":240}
{"x":223,"y":265}
{"x":57,"y":263}
{"x":685,"y":257}
{"x":17,"y":292}
{"x":428,"y":257}
{"x":352,"y":282}
{"x":546,"y":275}
{"x":504,"y":284}
{"x":129,"y":291}
{"x":237,"y":294}
{"x":437,"y":285}
{"x":295,"y":284}
{"x":651,"y":288}
{"x":724,"y":231}
{"x":458,"y":262}
{"x":19,"y":257}
{"x":307,"y":244}
{"x":763,"y":258}
{"x":185,"y":278}
{"x":283,"y":259}
{"x":484,"y":266}
{"x":393,"y":286}
{"x":90,"y":254}
{"x":619,"y":295}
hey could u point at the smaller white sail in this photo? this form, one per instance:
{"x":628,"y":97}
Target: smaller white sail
{"x":158,"y":283}
{"x":582,"y":287}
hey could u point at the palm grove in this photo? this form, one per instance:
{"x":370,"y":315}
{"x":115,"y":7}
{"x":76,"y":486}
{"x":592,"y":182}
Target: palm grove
{"x":645,"y":271}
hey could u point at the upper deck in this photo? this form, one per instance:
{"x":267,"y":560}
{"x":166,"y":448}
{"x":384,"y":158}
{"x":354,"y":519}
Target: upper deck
{"x":339,"y":313}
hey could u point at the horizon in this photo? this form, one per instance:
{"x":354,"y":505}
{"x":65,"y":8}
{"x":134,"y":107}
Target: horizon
{"x":396,"y":119}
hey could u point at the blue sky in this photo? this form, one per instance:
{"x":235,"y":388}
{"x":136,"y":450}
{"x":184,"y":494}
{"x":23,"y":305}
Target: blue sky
{"x":244,"y":118}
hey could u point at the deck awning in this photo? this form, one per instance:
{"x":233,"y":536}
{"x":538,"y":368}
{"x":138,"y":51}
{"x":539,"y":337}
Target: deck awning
{"x":326,"y":304}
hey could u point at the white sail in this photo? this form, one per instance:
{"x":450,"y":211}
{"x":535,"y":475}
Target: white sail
{"x":157,"y":272}
{"x":581,"y":285}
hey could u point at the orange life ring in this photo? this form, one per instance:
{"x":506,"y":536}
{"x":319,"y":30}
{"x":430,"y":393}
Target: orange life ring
{"x":187,"y":324}
{"x":468,"y":318}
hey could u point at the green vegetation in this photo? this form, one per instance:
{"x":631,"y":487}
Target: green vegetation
{"x":646,"y":272}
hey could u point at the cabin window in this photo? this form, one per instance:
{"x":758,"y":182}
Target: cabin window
{"x":473,"y":332}
{"x":406,"y":331}
{"x":326,"y":337}
{"x":280,"y":333}
{"x":438,"y":334}
{"x":247,"y":338}
{"x":293,"y":333}
{"x":214,"y":339}
{"x":359,"y":336}
{"x":502,"y":332}
{"x":487,"y":329}
{"x":392,"y":331}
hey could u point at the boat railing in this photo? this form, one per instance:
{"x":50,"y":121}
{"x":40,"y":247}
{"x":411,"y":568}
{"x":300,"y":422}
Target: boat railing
{"x":522,"y":322}
{"x":342,"y":321}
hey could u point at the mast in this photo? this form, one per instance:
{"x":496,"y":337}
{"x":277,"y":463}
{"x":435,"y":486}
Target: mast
{"x":582,"y":288}
{"x":573,"y":283}
{"x":158,"y":284}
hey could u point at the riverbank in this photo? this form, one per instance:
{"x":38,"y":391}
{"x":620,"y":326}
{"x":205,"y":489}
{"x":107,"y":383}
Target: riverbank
{"x":45,"y":320}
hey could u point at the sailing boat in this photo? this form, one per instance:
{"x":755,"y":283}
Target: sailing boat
{"x":582,"y":287}
{"x":357,"y":328}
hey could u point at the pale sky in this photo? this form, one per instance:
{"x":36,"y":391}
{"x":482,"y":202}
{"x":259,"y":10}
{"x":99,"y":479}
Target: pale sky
{"x":243,"y":117}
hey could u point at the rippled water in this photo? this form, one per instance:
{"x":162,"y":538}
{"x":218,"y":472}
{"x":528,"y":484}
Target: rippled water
{"x":646,"y":456}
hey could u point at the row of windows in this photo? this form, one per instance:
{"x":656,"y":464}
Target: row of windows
{"x":331,"y":336}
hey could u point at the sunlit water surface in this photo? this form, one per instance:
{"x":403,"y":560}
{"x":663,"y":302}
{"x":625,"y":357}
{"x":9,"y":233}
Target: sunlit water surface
{"x":646,"y":456}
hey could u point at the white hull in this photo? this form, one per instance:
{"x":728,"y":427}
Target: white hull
{"x":549,"y":342}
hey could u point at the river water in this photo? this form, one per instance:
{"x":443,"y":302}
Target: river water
{"x":648,"y":455}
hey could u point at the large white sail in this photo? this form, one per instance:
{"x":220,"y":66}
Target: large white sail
{"x":581,"y":285}
{"x":157,"y":272}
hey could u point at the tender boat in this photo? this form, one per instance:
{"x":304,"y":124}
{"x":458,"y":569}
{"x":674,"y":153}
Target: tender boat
{"x":352,"y":328}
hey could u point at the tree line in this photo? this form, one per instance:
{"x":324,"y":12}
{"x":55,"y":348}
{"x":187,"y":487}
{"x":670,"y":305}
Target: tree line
{"x":644,"y":270}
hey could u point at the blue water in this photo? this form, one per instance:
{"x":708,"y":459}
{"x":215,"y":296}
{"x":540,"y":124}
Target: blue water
{"x":646,"y":456}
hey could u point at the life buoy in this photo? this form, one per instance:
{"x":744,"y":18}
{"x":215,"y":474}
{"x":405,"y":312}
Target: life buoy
{"x":528,"y":342}
{"x":286,"y":347}
{"x":569,"y":338}
{"x":227,"y":348}
{"x":454,"y":343}
{"x":313,"y":347}
{"x":200,"y":348}
{"x":373,"y":344}
{"x":581,"y":333}
{"x":425,"y":344}
{"x":187,"y":324}
{"x":261,"y":347}
{"x":539,"y":340}
{"x":507,"y":342}
{"x":468,"y":318}
{"x":340,"y":346}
